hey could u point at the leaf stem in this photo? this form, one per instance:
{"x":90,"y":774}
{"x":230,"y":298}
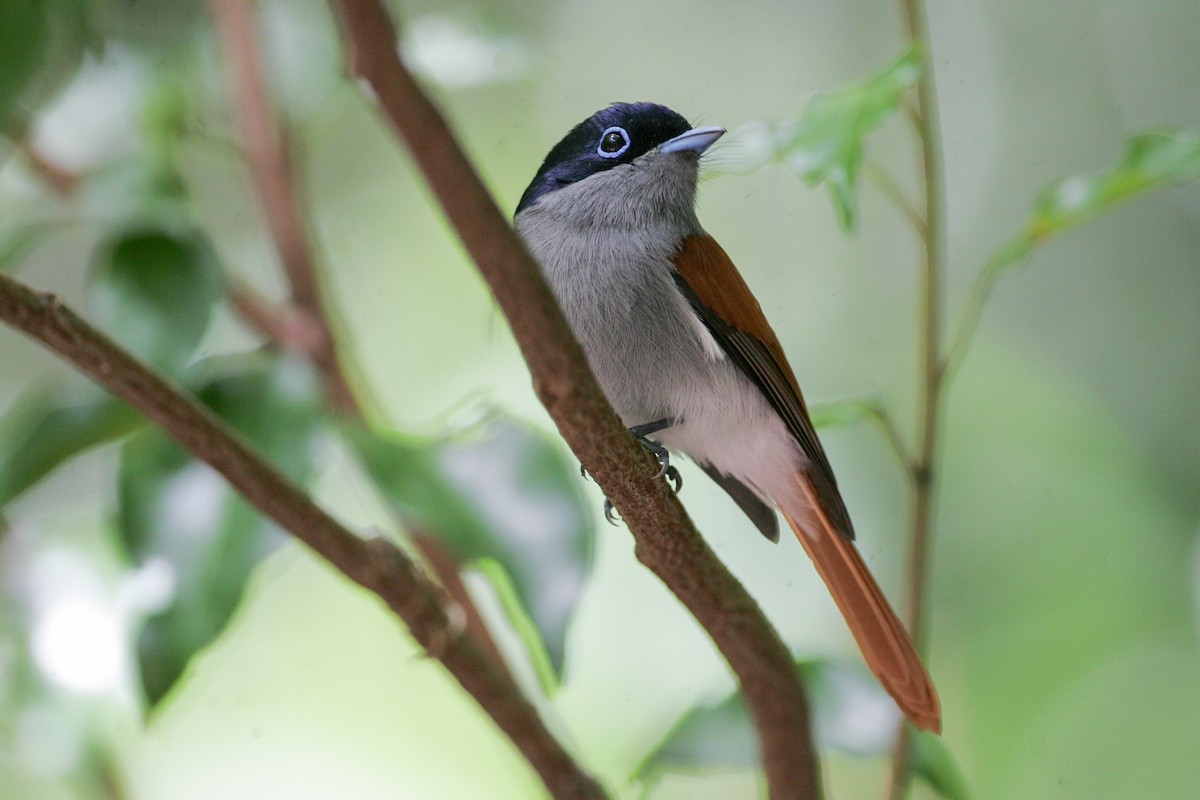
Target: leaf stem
{"x":883,"y":417}
{"x":924,"y":467}
{"x":886,"y":184}
{"x":972,"y":312}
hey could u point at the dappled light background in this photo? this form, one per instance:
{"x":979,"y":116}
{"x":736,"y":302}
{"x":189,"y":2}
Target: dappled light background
{"x":1065,"y":572}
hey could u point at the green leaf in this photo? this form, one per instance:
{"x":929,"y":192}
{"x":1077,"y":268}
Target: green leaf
{"x":18,"y":243}
{"x":41,"y":46}
{"x":717,"y":735}
{"x":842,"y":413}
{"x":24,"y":37}
{"x":934,"y":764}
{"x":504,"y":500}
{"x":178,"y":513}
{"x":1152,"y":160}
{"x":155,"y":292}
{"x":851,"y":713}
{"x":44,"y":428}
{"x":826,"y":144}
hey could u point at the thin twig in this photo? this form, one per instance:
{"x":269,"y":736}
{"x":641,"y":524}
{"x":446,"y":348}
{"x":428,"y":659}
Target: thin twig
{"x":924,"y":475}
{"x":63,"y":181}
{"x":303,"y":326}
{"x":267,"y":155}
{"x":374,"y":564}
{"x":666,"y":540}
{"x":446,"y":568}
{"x":288,"y":327}
{"x":879,"y":412}
{"x":972,"y":312}
{"x":886,"y":184}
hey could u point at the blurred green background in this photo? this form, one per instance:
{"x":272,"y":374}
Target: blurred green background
{"x":1065,"y":576}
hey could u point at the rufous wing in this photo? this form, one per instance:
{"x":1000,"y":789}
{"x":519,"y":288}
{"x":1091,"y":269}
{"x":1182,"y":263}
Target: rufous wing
{"x":723,"y":301}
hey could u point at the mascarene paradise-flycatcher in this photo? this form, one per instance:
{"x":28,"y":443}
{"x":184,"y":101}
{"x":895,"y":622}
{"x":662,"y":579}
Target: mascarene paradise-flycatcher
{"x":683,"y":352}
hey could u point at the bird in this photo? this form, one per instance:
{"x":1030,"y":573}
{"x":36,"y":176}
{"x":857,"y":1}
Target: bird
{"x":684,"y":354}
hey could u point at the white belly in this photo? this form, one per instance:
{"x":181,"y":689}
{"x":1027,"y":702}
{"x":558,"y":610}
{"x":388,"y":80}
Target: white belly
{"x":654,"y":358}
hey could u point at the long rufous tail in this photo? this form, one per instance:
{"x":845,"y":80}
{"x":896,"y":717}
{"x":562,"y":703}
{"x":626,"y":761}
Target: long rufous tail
{"x":884,"y":642}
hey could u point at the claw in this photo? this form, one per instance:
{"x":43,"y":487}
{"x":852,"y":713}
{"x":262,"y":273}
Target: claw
{"x":610,"y":512}
{"x":661,"y":454}
{"x":583,"y":473}
{"x":664,"y":467}
{"x":674,"y":477}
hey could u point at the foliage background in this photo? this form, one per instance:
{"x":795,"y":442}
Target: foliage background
{"x":1065,"y":582}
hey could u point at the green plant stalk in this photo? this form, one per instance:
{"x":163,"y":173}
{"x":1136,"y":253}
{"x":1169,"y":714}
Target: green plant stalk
{"x":923,"y":470}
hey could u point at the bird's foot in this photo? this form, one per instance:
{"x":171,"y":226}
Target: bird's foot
{"x":610,"y":512}
{"x":661,"y":454}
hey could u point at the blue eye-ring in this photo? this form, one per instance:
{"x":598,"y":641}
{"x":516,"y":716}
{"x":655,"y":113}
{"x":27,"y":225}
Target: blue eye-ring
{"x":613,"y":142}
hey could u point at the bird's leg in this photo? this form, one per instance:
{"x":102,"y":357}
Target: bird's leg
{"x":642,"y":433}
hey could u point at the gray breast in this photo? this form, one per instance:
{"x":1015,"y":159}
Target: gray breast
{"x":619,"y":296}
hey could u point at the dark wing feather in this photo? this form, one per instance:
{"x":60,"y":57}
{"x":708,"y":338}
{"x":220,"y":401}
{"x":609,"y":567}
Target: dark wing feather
{"x":724,"y":303}
{"x":761,"y":514}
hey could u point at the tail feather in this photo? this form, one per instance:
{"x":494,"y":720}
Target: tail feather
{"x":884,"y":642}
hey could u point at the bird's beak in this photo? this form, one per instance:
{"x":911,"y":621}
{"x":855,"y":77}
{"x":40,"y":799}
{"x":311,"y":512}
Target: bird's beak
{"x":697,"y":140}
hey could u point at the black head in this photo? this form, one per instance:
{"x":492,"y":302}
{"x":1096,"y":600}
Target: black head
{"x":609,"y":138}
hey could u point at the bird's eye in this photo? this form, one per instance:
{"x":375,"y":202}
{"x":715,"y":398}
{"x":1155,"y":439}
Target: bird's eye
{"x":613,"y":142}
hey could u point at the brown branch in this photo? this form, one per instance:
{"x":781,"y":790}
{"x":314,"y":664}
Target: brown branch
{"x":666,"y":540}
{"x":63,"y":181}
{"x":267,"y":155}
{"x":924,"y":115}
{"x":303,"y":326}
{"x":288,"y":327}
{"x":375,"y":564}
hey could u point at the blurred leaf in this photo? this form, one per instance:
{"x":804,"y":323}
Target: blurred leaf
{"x":43,"y":429}
{"x":933,"y":762}
{"x":41,"y":46}
{"x":719,"y":735}
{"x":826,"y":143}
{"x":155,"y":292}
{"x":18,"y":243}
{"x":23,"y":41}
{"x":851,"y":713}
{"x":22,"y":781}
{"x":1152,"y":160}
{"x":842,"y":413}
{"x":505,"y":501}
{"x":178,"y":513}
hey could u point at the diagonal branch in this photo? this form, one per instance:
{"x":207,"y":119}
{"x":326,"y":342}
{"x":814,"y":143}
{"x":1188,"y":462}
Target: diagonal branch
{"x":374,"y":564}
{"x":266,"y":150}
{"x":303,"y":326}
{"x":666,"y":540}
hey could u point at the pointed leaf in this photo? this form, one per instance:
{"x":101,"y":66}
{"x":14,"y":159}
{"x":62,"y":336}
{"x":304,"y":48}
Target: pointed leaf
{"x":24,"y":38}
{"x":826,"y":143}
{"x":933,"y":763}
{"x":41,"y":47}
{"x":179,"y":513}
{"x":155,"y":292}
{"x":1152,"y":160}
{"x":851,"y":714}
{"x":506,"y":501}
{"x":45,"y":428}
{"x":840,"y":413}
